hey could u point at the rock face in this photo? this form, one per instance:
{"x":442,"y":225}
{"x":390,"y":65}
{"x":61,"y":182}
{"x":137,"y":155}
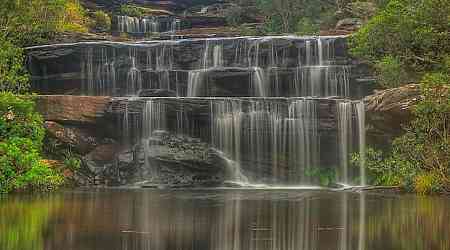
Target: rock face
{"x":80,"y":139}
{"x":72,"y":109}
{"x":389,"y":110}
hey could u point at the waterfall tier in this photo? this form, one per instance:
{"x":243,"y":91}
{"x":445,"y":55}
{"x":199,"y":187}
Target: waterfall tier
{"x":146,"y":25}
{"x":283,"y":141}
{"x":277,"y":66}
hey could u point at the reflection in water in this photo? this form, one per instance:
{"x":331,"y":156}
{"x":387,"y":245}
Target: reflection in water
{"x":224,"y":220}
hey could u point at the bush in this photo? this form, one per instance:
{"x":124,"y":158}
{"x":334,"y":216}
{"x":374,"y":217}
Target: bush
{"x":13,"y":76}
{"x":73,"y":18}
{"x":38,"y":21}
{"x":306,"y":27}
{"x":21,"y":136}
{"x":235,"y":15}
{"x":390,"y":72}
{"x":420,"y":159}
{"x":101,"y":21}
{"x":131,"y":10}
{"x":414,"y":31}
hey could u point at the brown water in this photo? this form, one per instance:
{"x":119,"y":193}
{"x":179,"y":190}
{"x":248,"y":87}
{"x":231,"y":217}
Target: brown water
{"x":223,"y":220}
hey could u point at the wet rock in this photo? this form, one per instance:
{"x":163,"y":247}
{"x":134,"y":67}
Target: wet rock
{"x":100,"y":166}
{"x":349,"y":24}
{"x":178,"y":161}
{"x":157,"y":93}
{"x":79,"y":139}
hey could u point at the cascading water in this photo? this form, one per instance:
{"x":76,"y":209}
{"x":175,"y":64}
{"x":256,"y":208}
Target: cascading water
{"x":276,"y":108}
{"x":153,"y":119}
{"x":146,"y":25}
{"x":195,"y":80}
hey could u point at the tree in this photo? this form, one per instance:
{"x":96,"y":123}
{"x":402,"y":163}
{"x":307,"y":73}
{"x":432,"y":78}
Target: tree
{"x":417,"y":32}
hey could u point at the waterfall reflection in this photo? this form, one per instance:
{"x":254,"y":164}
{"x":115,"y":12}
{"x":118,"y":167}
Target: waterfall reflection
{"x":223,"y":220}
{"x":235,"y":221}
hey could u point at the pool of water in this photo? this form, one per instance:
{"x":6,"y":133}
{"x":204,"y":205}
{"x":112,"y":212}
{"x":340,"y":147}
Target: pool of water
{"x":147,"y":219}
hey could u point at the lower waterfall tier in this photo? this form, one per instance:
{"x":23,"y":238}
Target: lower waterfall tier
{"x":277,"y":141}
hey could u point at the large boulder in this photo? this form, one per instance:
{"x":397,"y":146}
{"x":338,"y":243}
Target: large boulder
{"x":389,"y":110}
{"x":179,"y":161}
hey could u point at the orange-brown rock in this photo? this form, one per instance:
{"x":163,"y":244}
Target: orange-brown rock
{"x":389,"y":110}
{"x":72,"y":109}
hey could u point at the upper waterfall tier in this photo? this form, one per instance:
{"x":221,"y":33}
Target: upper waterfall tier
{"x":245,"y":66}
{"x":146,"y":25}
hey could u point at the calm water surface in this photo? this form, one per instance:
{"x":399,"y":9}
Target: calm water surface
{"x":223,"y":220}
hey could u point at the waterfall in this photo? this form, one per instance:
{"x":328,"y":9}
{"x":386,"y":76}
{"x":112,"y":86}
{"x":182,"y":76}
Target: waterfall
{"x":134,"y":76}
{"x":308,"y":53}
{"x":212,"y":54}
{"x":344,"y":113}
{"x":360,"y":112}
{"x":218,"y":56}
{"x":320,"y":51}
{"x":195,"y":83}
{"x":153,"y":119}
{"x":145,"y":25}
{"x":303,"y":136}
{"x":277,"y":108}
{"x":259,"y":82}
{"x":226,"y":134}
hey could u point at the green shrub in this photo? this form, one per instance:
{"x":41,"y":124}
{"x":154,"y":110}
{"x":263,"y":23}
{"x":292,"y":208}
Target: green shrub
{"x":131,"y":10}
{"x":21,"y":136}
{"x":390,"y":72}
{"x":21,"y":168}
{"x":13,"y":76}
{"x":420,"y":159}
{"x":235,"y":15}
{"x":101,"y":21}
{"x":38,"y":21}
{"x":413,"y":31}
{"x":72,"y":161}
{"x":307,"y":27}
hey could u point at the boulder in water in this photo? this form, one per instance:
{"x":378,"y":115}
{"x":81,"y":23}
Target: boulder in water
{"x":180,"y":161}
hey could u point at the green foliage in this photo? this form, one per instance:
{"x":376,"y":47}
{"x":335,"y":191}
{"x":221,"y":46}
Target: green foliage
{"x":306,"y":27}
{"x":390,"y":72}
{"x":325,"y":176}
{"x":417,"y":32}
{"x":420,"y":159}
{"x":72,"y":161}
{"x":21,"y":136}
{"x":131,"y":10}
{"x":235,"y":15}
{"x":300,"y":16}
{"x":101,"y":21}
{"x":13,"y":76}
{"x":37,"y":21}
{"x":19,"y":120}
